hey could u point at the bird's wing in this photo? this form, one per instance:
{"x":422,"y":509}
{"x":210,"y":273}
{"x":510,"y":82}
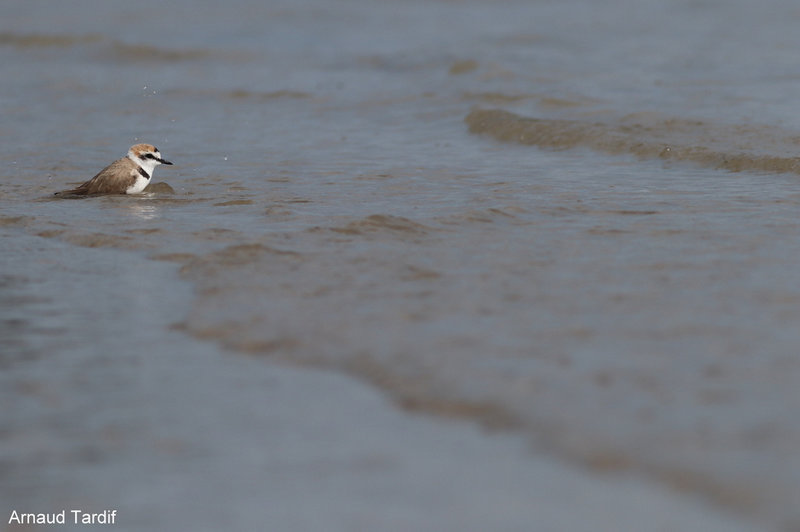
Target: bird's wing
{"x":113,"y":179}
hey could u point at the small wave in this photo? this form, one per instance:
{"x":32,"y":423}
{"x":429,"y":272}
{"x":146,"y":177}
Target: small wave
{"x":234,"y":202}
{"x":496,"y":97}
{"x":462,"y":67}
{"x":148,"y":53}
{"x":112,"y":49}
{"x":234,"y":256}
{"x":506,"y":214}
{"x":159,"y":188}
{"x":501,"y":98}
{"x":271,"y":95}
{"x":239,"y":94}
{"x":15,"y":220}
{"x":736,"y":149}
{"x":175,"y":257}
{"x":100,"y":240}
{"x":382,"y":222}
{"x":34,"y":40}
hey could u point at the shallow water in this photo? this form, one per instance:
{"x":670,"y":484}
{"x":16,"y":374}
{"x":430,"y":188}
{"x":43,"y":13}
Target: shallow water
{"x":570,"y":220}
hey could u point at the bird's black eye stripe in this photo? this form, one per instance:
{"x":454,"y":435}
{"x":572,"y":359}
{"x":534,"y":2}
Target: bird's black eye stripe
{"x":149,"y":156}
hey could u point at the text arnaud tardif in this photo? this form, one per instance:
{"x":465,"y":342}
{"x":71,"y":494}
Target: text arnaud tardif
{"x":78,"y":517}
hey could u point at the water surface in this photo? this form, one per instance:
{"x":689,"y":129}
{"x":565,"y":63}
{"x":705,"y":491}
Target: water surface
{"x":570,"y":220}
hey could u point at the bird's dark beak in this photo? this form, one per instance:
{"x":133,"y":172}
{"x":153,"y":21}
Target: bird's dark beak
{"x":162,"y":161}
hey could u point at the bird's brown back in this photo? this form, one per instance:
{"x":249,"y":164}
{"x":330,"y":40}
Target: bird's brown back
{"x":113,"y":179}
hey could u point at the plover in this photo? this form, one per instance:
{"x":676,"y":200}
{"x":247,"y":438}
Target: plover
{"x":128,"y":175}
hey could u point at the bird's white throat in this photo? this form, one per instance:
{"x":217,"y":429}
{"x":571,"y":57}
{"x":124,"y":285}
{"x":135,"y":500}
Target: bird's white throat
{"x":148,"y":165}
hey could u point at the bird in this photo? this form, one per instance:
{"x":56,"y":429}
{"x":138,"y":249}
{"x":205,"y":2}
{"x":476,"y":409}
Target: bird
{"x":128,"y":175}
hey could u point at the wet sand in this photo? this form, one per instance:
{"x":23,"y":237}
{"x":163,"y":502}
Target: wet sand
{"x":175,"y":434}
{"x":556,"y":244}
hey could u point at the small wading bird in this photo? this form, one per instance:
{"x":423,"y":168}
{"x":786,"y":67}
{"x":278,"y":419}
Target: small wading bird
{"x":128,"y":175}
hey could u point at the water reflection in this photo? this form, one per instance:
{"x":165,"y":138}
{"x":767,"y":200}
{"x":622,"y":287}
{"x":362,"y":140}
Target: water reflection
{"x":142,"y":211}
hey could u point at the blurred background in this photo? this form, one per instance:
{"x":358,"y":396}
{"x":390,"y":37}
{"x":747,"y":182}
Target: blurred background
{"x":449,"y":265}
